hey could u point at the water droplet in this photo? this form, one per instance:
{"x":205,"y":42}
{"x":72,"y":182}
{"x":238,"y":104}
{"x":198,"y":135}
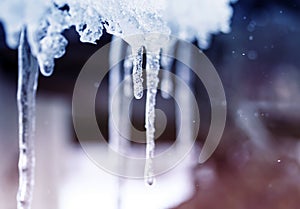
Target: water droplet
{"x":250,"y":38}
{"x":150,"y":181}
{"x":46,"y":67}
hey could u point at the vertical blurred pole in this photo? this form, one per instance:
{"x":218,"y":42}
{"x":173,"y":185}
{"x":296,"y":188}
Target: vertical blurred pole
{"x":113,"y":94}
{"x":27,"y":85}
{"x":184,"y":108}
{"x":116,"y":129}
{"x":167,"y":59}
{"x":127,"y":93}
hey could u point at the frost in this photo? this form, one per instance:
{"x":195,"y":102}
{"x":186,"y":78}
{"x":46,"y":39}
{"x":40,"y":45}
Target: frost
{"x":194,"y":19}
{"x":45,"y":20}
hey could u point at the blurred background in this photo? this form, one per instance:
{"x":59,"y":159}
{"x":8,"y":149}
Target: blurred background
{"x":256,"y":166}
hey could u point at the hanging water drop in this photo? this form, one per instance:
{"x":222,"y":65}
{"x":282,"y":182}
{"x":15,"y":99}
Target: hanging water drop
{"x":152,"y":70}
{"x":150,"y":180}
{"x":46,"y":66}
{"x":138,"y":73}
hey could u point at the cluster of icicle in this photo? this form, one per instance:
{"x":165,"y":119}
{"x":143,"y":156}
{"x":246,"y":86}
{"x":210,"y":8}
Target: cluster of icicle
{"x":43,"y":21}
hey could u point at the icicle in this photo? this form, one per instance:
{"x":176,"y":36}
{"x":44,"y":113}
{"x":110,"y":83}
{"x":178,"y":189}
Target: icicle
{"x":152,"y":71}
{"x":137,"y":73}
{"x":47,"y":67}
{"x":27,"y":84}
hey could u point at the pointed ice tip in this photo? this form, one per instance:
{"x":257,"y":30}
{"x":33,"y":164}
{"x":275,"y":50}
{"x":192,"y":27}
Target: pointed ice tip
{"x":150,"y":181}
{"x":138,"y":95}
{"x":46,"y":67}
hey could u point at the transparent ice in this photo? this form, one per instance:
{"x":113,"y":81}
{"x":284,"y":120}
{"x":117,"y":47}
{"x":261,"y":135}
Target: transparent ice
{"x":45,"y":20}
{"x":137,"y":74}
{"x":152,"y":71}
{"x":27,"y":84}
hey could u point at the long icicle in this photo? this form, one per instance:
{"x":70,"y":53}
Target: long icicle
{"x":152,"y":71}
{"x":27,"y":85}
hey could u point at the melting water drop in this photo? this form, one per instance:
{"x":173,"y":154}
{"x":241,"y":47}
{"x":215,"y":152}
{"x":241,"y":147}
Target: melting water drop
{"x":138,"y":73}
{"x":27,"y":84}
{"x":150,"y":181}
{"x":152,"y":70}
{"x":47,"y":67}
{"x":51,"y":47}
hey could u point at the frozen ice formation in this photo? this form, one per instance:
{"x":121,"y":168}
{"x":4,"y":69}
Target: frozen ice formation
{"x":45,"y":20}
{"x":198,"y":19}
{"x":144,"y":24}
